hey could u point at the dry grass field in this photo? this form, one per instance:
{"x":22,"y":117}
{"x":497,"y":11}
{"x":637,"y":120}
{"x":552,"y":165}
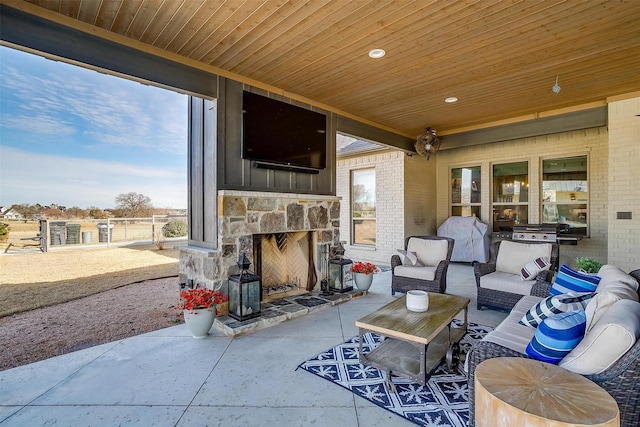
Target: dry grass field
{"x":33,"y":280}
{"x":64,"y":300}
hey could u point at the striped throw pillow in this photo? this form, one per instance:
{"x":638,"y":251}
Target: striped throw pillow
{"x":557,"y":336}
{"x":568,"y":280}
{"x":531,"y":269}
{"x":554,"y":305}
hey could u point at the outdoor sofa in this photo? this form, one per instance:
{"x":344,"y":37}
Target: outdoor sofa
{"x":608,"y":354}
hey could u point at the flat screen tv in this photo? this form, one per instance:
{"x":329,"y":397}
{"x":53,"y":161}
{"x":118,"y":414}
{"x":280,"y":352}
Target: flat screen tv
{"x":281,"y":135}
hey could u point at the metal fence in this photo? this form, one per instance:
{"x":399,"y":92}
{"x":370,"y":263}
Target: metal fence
{"x":111,"y":231}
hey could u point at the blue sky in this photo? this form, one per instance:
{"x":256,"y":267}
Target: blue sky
{"x":76,"y":137}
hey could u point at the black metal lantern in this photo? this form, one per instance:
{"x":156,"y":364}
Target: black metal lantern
{"x":244,"y":292}
{"x":340,"y":276}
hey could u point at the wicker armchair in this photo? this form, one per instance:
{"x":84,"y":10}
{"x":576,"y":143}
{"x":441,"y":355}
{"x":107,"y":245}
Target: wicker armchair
{"x":621,"y":380}
{"x":439,"y":282}
{"x":504,"y":301}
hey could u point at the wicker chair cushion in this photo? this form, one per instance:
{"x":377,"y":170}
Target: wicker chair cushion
{"x":429,"y":252}
{"x":608,"y":340}
{"x":569,"y":280}
{"x":506,"y":282}
{"x":416,"y":272}
{"x":557,"y":336}
{"x":512,"y":256}
{"x":511,"y":334}
{"x":553,"y":305}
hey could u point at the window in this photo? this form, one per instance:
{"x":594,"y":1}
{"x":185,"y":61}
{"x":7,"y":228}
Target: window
{"x":510,"y":195}
{"x":363,"y":207}
{"x":465,"y":191}
{"x":565,"y":193}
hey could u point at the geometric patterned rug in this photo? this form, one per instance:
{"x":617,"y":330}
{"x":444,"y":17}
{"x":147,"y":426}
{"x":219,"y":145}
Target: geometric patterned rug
{"x":442,"y":402}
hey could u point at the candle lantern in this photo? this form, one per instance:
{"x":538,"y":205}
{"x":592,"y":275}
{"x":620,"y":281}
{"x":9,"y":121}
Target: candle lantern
{"x":340,"y":276}
{"x":244,"y":292}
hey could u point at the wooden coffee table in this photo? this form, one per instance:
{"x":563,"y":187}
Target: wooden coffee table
{"x":414,"y":343}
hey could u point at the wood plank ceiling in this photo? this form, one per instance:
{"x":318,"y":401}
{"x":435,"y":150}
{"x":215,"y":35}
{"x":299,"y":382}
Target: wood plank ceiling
{"x":500,"y":58}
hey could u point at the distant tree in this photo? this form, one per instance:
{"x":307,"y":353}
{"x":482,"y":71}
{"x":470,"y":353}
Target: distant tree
{"x":76,"y":212}
{"x":131,"y":205}
{"x":52,"y":213}
{"x":4,"y":231}
{"x":97,"y":213}
{"x":27,"y":211}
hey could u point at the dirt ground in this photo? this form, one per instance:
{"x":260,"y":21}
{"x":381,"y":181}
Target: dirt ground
{"x":57,"y":302}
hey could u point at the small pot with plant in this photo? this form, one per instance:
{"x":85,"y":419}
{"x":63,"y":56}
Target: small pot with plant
{"x":198,"y":307}
{"x":363,"y":274}
{"x":587,"y":265}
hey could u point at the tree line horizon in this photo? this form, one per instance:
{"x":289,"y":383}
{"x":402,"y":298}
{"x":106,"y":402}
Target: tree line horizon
{"x":127,"y":205}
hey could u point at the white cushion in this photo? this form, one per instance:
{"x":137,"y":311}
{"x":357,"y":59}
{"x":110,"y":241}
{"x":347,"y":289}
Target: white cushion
{"x":608,"y":340}
{"x":408,"y":257}
{"x":610,"y":272}
{"x":429,"y":252}
{"x":598,"y":305}
{"x":422,"y":273}
{"x":510,"y":333}
{"x":617,"y":282}
{"x":531,"y":269}
{"x":506,"y":282}
{"x":513,"y":256}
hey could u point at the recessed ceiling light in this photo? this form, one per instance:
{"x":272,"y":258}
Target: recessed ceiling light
{"x":377,"y":53}
{"x":451,"y":100}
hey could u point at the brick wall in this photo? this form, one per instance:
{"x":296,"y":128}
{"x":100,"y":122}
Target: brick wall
{"x":592,"y":142}
{"x":623,"y":188}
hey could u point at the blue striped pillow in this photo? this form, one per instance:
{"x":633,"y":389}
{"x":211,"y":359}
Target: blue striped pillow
{"x":554,"y":305}
{"x":557,"y":336}
{"x":568,"y":280}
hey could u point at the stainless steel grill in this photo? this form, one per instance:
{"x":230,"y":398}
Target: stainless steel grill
{"x":538,"y":232}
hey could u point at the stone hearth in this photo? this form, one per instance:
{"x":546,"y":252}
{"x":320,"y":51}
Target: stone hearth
{"x":243,"y":216}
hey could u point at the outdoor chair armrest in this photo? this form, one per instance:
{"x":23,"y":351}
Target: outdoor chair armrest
{"x":395,"y":261}
{"x":480,"y":352}
{"x":482,"y":268}
{"x":541,"y":288}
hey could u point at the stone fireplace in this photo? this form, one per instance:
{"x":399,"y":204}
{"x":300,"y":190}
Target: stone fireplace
{"x":285,"y":236}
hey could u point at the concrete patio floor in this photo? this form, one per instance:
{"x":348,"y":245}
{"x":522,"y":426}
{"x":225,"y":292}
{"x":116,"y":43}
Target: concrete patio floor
{"x":167,"y":378}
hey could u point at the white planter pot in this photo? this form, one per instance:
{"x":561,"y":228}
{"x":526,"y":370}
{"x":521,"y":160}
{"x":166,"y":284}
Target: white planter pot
{"x":199,"y":321}
{"x":417,"y":301}
{"x":363,"y":281}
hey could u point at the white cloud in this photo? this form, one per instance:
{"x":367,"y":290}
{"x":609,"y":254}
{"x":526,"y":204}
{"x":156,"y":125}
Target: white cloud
{"x":105,"y":109}
{"x":70,"y":181}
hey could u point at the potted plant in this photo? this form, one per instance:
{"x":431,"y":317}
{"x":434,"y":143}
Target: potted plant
{"x":198,"y":307}
{"x":222,"y":303}
{"x":363,"y":274}
{"x":587,"y":265}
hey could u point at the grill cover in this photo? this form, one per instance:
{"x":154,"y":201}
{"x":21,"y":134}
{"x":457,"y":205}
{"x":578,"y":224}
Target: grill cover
{"x":472,"y":238}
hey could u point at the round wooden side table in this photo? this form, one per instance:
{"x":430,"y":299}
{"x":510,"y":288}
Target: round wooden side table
{"x":512,"y":391}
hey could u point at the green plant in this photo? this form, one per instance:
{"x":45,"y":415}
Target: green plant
{"x":4,"y":231}
{"x":176,"y":228}
{"x":588,"y":265}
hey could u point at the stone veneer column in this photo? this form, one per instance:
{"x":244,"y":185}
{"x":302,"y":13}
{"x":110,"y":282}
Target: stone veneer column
{"x":242,"y":214}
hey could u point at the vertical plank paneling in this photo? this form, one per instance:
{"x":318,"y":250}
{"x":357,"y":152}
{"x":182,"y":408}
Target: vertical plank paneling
{"x":196,"y":189}
{"x":210,"y":199}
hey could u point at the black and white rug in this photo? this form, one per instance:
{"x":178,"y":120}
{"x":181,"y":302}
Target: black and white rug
{"x":442,"y":402}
